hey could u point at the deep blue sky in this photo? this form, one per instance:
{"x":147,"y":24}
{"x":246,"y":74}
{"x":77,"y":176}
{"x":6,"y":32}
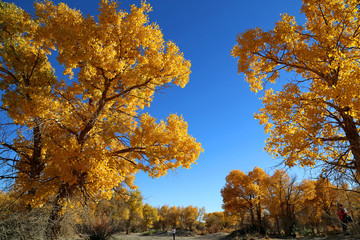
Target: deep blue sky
{"x":217,"y":102}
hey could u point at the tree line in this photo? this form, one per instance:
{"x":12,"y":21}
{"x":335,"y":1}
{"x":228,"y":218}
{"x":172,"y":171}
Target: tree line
{"x":124,"y":212}
{"x":255,"y":202}
{"x":278,"y":204}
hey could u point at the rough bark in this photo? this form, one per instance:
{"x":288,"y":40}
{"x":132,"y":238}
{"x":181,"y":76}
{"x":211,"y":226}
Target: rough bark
{"x":54,"y":222}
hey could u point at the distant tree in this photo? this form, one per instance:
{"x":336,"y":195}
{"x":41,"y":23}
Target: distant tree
{"x":286,"y":198}
{"x":214,"y":222}
{"x":246,"y":192}
{"x":87,"y":134}
{"x":162,"y":213}
{"x":320,"y":211}
{"x":191,"y":215}
{"x":149,"y":216}
{"x":327,"y":196}
{"x":134,"y":209}
{"x":202,"y":212}
{"x":173,"y":216}
{"x":315,"y":117}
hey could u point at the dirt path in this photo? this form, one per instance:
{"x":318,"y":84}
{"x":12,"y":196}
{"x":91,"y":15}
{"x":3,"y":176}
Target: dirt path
{"x":168,"y":236}
{"x":216,"y":236}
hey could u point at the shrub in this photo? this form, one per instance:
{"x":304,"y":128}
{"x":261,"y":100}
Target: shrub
{"x":23,"y":225}
{"x":101,"y":228}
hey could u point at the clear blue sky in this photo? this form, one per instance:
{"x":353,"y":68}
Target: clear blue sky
{"x":216,"y":103}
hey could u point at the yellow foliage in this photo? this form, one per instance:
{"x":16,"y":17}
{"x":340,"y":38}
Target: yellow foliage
{"x":246,"y":193}
{"x":88,"y":134}
{"x":314,"y":117}
{"x":150,"y":215}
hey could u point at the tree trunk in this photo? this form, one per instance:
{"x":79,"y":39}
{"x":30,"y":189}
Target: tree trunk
{"x":36,"y":165}
{"x":54,"y":222}
{"x":127,"y":226}
{"x":352,"y":134}
{"x":259,"y":217}
{"x":35,"y":162}
{"x":288,"y":223}
{"x":277,"y":224}
{"x":252,"y":217}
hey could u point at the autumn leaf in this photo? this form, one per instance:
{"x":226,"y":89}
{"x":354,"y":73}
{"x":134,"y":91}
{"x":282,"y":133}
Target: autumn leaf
{"x":314,"y":118}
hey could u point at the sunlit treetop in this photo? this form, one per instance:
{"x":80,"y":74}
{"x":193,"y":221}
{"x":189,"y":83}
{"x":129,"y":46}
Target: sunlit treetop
{"x":315,"y":117}
{"x":88,"y":133}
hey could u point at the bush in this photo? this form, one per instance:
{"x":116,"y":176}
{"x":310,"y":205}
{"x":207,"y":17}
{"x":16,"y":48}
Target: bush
{"x":102,"y":228}
{"x":23,"y":225}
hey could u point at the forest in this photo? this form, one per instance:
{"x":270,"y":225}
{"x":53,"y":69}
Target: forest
{"x":255,"y":204}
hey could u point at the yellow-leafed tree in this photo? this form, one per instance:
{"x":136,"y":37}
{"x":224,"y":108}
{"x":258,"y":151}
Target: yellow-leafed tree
{"x":173,"y":216}
{"x":314,"y":117}
{"x":150,"y":215}
{"x":133,"y":209}
{"x":321,"y":210}
{"x":286,"y":199}
{"x":162,"y":213}
{"x":246,"y":192}
{"x":87,"y":133}
{"x":190,"y":215}
{"x":215,"y":221}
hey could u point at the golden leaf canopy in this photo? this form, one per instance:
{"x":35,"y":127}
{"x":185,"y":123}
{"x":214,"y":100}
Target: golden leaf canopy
{"x":314,"y":118}
{"x":88,"y":132}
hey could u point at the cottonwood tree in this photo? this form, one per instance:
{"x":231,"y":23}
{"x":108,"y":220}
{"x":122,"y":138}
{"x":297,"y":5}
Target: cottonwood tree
{"x":150,"y":215}
{"x":87,"y":133}
{"x":215,"y":221}
{"x":162,"y":213}
{"x":190,"y":215}
{"x":315,"y":117}
{"x":246,"y":192}
{"x":286,"y":199}
{"x":134,"y":209}
{"x":173,"y":216}
{"x":321,"y":210}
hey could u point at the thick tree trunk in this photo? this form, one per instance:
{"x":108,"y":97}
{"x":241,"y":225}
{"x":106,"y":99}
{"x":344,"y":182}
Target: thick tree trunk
{"x":259,"y":217}
{"x":289,"y":219}
{"x":353,"y":137}
{"x":54,"y":222}
{"x":277,"y":224}
{"x":37,"y":164}
{"x":128,"y":224}
{"x":252,"y":217}
{"x":35,"y":161}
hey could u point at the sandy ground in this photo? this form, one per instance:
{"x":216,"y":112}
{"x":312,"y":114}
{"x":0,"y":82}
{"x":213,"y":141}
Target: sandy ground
{"x":139,"y":236}
{"x":216,"y":236}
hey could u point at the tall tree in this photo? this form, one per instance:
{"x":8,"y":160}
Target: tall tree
{"x":315,"y":117}
{"x":87,"y":134}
